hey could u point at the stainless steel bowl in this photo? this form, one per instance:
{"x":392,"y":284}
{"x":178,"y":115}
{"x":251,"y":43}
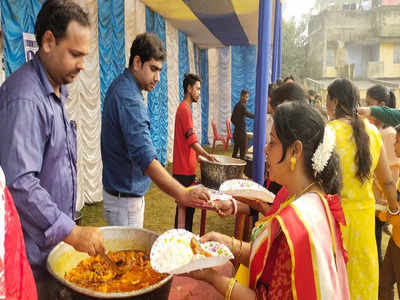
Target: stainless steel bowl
{"x":213,"y":174}
{"x":64,"y":257}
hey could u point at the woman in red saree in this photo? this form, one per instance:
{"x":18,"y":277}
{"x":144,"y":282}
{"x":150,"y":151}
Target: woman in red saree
{"x":16,"y":279}
{"x":296,"y":252}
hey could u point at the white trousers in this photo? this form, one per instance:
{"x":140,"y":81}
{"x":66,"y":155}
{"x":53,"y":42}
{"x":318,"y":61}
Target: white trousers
{"x":123,"y":211}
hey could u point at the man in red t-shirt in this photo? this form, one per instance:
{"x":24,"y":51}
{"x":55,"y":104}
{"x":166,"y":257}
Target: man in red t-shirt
{"x":186,"y":145}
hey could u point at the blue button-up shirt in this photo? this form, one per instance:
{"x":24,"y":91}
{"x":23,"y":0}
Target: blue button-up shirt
{"x":126,"y":145}
{"x":38,"y":155}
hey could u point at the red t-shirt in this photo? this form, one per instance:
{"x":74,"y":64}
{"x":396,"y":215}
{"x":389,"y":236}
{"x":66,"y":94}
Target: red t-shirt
{"x":184,"y":161}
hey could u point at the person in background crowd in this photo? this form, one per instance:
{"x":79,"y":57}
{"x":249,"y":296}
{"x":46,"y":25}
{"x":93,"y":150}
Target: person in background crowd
{"x":362,"y":156}
{"x":387,"y":115}
{"x":38,"y":148}
{"x":379,"y":95}
{"x":289,"y":79}
{"x":238,"y":119}
{"x":318,"y":102}
{"x":390,"y":270}
{"x":128,"y":154}
{"x":283,"y":259}
{"x":311,"y":96}
{"x":289,"y":92}
{"x":17,"y":280}
{"x":186,"y":145}
{"x":271,"y":88}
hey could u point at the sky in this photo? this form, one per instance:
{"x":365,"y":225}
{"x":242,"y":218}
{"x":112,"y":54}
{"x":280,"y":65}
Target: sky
{"x":296,"y":8}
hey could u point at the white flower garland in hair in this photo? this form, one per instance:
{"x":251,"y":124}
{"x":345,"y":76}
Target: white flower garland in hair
{"x":324,"y":150}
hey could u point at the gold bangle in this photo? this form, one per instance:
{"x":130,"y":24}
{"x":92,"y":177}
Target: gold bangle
{"x":232,"y":244}
{"x":230,"y":289}
{"x":240,"y":251}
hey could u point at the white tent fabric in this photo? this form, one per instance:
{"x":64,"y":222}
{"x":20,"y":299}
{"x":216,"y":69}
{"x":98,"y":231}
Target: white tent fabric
{"x":196,"y":107}
{"x":172,"y":38}
{"x":135,"y":23}
{"x":212,"y":90}
{"x":219,"y":64}
{"x":224,"y":85}
{"x":83,"y":106}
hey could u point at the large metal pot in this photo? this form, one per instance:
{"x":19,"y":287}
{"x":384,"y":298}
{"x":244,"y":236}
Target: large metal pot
{"x":213,"y":174}
{"x":64,"y":257}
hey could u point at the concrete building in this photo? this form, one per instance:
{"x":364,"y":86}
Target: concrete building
{"x":354,"y":39}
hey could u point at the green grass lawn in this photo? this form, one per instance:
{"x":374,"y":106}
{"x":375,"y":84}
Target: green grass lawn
{"x":159,"y":213}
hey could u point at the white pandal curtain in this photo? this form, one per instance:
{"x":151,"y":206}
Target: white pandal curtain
{"x":224,"y":83}
{"x":83,"y":106}
{"x":213,"y":97}
{"x":135,"y":23}
{"x":196,"y":107}
{"x":219,"y":72}
{"x":172,"y":39}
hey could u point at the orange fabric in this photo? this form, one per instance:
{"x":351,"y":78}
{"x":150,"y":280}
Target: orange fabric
{"x":184,"y":159}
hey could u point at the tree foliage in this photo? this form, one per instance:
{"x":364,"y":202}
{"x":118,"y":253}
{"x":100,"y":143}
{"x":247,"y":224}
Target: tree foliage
{"x":294,"y":48}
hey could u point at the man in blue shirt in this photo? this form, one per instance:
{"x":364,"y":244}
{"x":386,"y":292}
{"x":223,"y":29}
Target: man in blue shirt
{"x":38,"y":143}
{"x":129,"y":157}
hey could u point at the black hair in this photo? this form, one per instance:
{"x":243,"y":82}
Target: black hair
{"x":397,"y":127}
{"x":55,"y":15}
{"x":244,"y":92}
{"x":190,"y":79}
{"x":380,"y":93}
{"x":147,"y":46}
{"x":348,"y":99}
{"x":290,"y":77}
{"x":287,"y":92}
{"x":300,"y":121}
{"x":271,"y":88}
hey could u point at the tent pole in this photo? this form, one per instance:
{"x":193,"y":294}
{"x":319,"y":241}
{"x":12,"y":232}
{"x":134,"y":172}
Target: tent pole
{"x":261,"y":100}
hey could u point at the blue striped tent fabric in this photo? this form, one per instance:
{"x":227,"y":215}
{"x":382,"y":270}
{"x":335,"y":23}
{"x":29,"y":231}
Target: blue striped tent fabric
{"x":111,"y":42}
{"x":16,"y":17}
{"x":183,"y":61}
{"x":244,"y":63}
{"x":158,"y":98}
{"x":204,"y":95}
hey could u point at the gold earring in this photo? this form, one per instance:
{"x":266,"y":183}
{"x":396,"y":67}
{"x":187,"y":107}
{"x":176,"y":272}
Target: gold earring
{"x":292,"y":163}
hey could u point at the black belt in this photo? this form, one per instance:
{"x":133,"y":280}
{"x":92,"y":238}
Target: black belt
{"x":121,"y":195}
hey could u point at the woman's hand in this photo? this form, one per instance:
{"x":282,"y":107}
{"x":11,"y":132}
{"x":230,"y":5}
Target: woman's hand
{"x":217,"y":237}
{"x":204,"y":275}
{"x":261,"y":206}
{"x":224,"y":208}
{"x":364,"y":111}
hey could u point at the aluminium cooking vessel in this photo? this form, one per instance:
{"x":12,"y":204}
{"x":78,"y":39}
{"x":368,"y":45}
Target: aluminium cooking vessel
{"x":213,"y":174}
{"x":64,"y":257}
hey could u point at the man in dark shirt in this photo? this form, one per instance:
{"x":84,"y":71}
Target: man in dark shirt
{"x":238,"y":119}
{"x":38,"y":142}
{"x":128,"y":154}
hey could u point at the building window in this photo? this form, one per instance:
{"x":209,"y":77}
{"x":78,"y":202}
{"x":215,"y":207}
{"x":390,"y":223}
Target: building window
{"x":396,"y":54}
{"x":330,"y":59}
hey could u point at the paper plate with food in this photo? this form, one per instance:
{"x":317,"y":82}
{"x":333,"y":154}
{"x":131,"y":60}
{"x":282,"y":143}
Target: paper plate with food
{"x":178,"y":251}
{"x":246,"y":191}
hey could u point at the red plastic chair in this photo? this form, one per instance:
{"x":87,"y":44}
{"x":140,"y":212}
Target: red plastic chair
{"x":217,"y":137}
{"x":229,"y":135}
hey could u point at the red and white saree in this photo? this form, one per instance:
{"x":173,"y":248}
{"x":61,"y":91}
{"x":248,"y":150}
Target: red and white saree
{"x":304,"y":236}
